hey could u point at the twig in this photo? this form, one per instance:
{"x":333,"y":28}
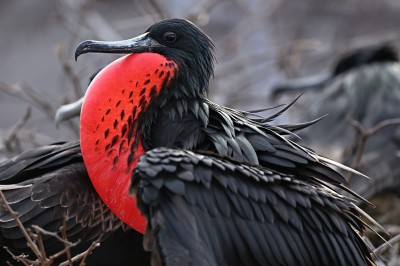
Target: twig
{"x":76,"y":27}
{"x":68,"y":245}
{"x":382,"y":248}
{"x":40,"y":230}
{"x":158,"y":9}
{"x":82,"y":256}
{"x":64,"y":251}
{"x":39,"y":241}
{"x":383,"y":124}
{"x":38,"y":249}
{"x":20,"y":258}
{"x":64,"y":236}
{"x":364,"y":135}
{"x":22,"y":89}
{"x":13,"y":135}
{"x":69,"y":72}
{"x":37,"y":98}
{"x":14,"y":214}
{"x":94,"y":245}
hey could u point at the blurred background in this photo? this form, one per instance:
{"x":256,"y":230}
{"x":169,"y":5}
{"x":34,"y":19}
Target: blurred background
{"x":260,"y":43}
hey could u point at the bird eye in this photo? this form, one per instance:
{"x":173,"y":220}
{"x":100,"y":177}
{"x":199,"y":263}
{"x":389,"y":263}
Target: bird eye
{"x":169,"y":37}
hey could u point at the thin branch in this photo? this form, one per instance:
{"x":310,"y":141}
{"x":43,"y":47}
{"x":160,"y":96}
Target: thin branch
{"x":64,"y":236}
{"x":43,"y":257}
{"x":40,"y":230}
{"x":82,"y":256}
{"x":74,"y":26}
{"x":13,"y":134}
{"x":20,"y":258}
{"x":94,"y":245}
{"x":364,"y":135}
{"x":382,"y":248}
{"x":64,"y":251}
{"x":383,"y":124}
{"x":37,"y":98}
{"x":158,"y":9}
{"x":23,"y":91}
{"x":14,"y":214}
{"x":69,"y":72}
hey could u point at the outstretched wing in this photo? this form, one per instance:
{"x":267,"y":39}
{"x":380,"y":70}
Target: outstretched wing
{"x":45,"y":184}
{"x":206,"y":210}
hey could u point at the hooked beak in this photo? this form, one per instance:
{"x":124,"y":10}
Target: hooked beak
{"x":141,"y":43}
{"x":68,"y":111}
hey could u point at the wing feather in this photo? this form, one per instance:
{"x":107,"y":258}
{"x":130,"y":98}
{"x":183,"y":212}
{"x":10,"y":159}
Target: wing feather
{"x":45,"y":184}
{"x":265,"y":218}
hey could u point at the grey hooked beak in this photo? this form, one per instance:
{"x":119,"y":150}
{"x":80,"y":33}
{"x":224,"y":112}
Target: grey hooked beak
{"x":68,"y":111}
{"x":141,"y":43}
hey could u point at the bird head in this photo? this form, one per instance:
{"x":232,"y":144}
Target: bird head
{"x":176,"y":39}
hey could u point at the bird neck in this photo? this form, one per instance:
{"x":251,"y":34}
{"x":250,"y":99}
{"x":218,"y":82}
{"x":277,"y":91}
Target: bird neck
{"x":115,"y":105}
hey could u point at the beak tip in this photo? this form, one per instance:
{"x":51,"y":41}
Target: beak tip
{"x":81,"y":49}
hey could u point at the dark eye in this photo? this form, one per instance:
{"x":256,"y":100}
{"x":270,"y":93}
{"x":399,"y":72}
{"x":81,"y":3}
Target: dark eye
{"x":169,"y":36}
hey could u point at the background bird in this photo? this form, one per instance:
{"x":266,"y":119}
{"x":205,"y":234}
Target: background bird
{"x":46,"y":184}
{"x":368,"y":92}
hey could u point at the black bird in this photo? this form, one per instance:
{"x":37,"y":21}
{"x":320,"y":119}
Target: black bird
{"x":378,"y":54}
{"x":369,"y":93}
{"x":47,"y":183}
{"x":208,"y":198}
{"x":217,"y":186}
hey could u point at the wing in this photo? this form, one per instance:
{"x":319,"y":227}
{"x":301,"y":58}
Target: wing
{"x":45,"y":184}
{"x":245,"y":136}
{"x":205,"y":210}
{"x":252,"y":140}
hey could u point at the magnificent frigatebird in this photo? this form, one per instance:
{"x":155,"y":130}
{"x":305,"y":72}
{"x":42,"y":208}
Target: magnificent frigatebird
{"x":253,"y":198}
{"x":243,"y":195}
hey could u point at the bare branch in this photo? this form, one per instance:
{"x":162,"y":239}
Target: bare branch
{"x":21,"y":90}
{"x":64,"y":236}
{"x":82,"y":256}
{"x":364,"y":135}
{"x":20,"y":258}
{"x":14,"y":214}
{"x":94,"y":245}
{"x":69,"y":72}
{"x":13,"y":134}
{"x":42,"y":231}
{"x":383,"y":124}
{"x":37,"y":98}
{"x":382,"y":248}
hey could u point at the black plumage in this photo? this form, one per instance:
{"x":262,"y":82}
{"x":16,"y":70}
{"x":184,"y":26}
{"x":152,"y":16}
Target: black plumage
{"x":365,"y":87}
{"x":45,"y":184}
{"x":268,"y":201}
{"x":248,"y":195}
{"x":231,"y":213}
{"x":349,"y":62}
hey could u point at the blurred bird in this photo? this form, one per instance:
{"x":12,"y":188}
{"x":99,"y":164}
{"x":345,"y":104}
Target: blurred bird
{"x":365,"y":87}
{"x":216,"y":186}
{"x":349,"y":62}
{"x":71,"y":110}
